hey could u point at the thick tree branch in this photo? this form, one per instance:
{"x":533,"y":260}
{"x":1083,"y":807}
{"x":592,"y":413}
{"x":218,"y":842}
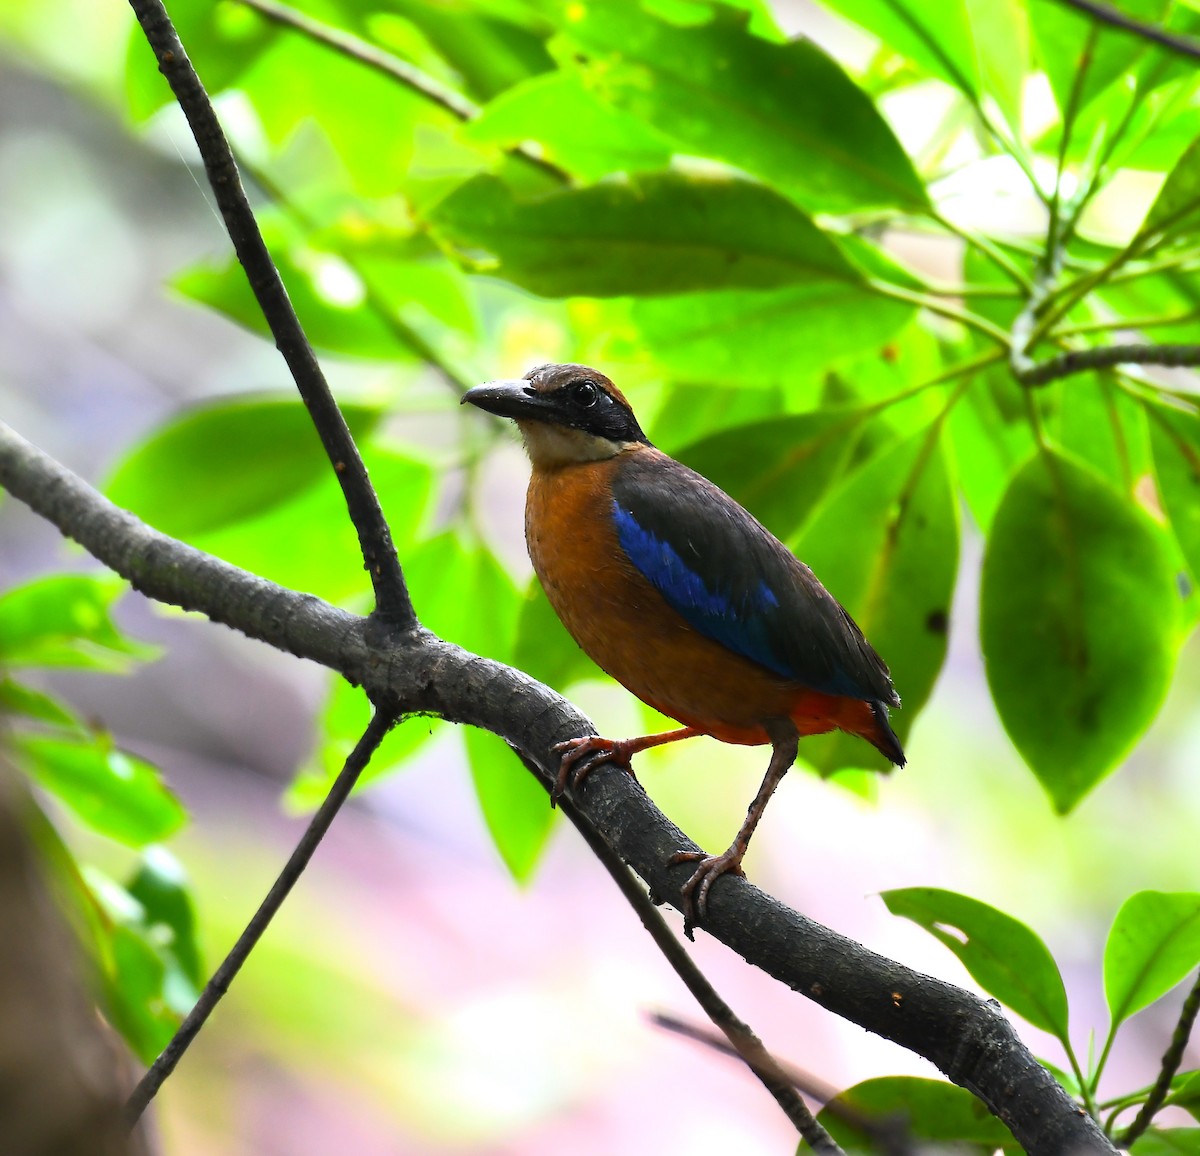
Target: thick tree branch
{"x":379,"y":555}
{"x":416,"y":672}
{"x":220,"y":980}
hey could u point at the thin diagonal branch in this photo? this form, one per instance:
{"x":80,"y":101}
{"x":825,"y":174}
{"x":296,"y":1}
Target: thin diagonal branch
{"x":1106,"y":14}
{"x":1171,"y":1060}
{"x":415,"y":672}
{"x":411,"y":77}
{"x":392,"y":601}
{"x":742,"y":1039}
{"x":891,"y":1134}
{"x":381,"y":722}
{"x":1104,"y":357}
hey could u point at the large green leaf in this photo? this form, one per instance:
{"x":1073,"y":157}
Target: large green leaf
{"x":928,"y":1110}
{"x":309,"y":544}
{"x":649,"y":234}
{"x":111,"y":791}
{"x":885,"y":544}
{"x":1079,"y":53}
{"x":785,"y":112}
{"x":1154,"y":942}
{"x":575,"y":128}
{"x":1103,"y":426}
{"x":515,"y":806}
{"x":1168,"y":1142}
{"x":1176,"y":209}
{"x":979,"y":46}
{"x":66,"y":620}
{"x":1080,"y":622}
{"x":1175,"y":438}
{"x":779,"y":469}
{"x":225,"y":461}
{"x":764,"y":338}
{"x":1004,"y":956}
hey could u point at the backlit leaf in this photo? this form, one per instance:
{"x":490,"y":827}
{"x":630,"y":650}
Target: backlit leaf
{"x":1080,"y":617}
{"x":1153,"y":944}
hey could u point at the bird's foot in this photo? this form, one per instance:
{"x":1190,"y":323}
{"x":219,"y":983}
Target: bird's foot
{"x":580,"y":757}
{"x":709,"y":868}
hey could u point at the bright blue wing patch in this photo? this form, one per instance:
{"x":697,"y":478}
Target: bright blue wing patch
{"x":742,"y":624}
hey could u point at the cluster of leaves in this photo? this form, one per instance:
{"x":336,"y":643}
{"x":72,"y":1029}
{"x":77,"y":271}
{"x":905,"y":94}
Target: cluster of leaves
{"x":1154,"y":942}
{"x":139,"y":935}
{"x":675,"y":191}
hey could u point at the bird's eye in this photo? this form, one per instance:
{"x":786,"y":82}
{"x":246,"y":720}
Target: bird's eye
{"x":585,"y":394}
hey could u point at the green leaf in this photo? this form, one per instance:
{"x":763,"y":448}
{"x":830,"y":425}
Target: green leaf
{"x":147,"y":990}
{"x":576,"y":130}
{"x":112,"y":792}
{"x":168,"y":912}
{"x":341,"y":724}
{"x":16,"y":698}
{"x":976,"y":45}
{"x":785,"y":112}
{"x":1185,"y":1092}
{"x":1153,"y":944}
{"x":515,"y":806}
{"x":1103,"y":426}
{"x":1176,"y":209}
{"x":65,"y":620}
{"x":1080,"y":622}
{"x":1005,"y":957}
{"x":1175,"y":439}
{"x":989,"y":446}
{"x":765,"y":338}
{"x":1168,"y":1142}
{"x":780,"y":468}
{"x":226,"y":461}
{"x":885,"y":544}
{"x":309,"y":544}
{"x":488,"y":53}
{"x":1077,"y":51}
{"x":649,"y":234}
{"x":330,"y":296}
{"x":930,"y":1110}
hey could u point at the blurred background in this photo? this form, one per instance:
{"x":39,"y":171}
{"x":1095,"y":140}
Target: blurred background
{"x":411,"y":997}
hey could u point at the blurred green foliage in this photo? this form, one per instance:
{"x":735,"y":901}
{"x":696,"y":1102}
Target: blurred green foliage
{"x":712,"y":212}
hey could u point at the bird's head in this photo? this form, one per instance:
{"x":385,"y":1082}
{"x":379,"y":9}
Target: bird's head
{"x":566,"y":414}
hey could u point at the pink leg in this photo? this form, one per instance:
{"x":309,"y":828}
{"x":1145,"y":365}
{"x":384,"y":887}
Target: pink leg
{"x":710,"y":868}
{"x":580,"y":757}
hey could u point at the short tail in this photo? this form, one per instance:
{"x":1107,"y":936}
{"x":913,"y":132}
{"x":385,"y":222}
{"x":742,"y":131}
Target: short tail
{"x":882,"y":737}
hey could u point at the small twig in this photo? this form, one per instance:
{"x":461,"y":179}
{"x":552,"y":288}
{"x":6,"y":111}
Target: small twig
{"x":1111,"y":16}
{"x":744,"y":1042}
{"x":381,"y":722}
{"x":392,"y":601}
{"x":411,"y":77}
{"x":1171,"y":1060}
{"x":1104,"y":357}
{"x":890,"y":1133}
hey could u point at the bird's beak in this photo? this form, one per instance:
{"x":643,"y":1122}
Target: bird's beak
{"x":515,"y":399}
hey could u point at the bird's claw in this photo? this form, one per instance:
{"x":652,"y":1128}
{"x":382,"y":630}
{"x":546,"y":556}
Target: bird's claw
{"x":709,"y":868}
{"x":580,"y":757}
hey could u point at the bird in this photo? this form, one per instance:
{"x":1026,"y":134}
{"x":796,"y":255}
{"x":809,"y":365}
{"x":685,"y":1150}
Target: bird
{"x":681,"y":595}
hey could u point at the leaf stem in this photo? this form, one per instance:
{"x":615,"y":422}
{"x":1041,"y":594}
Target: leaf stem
{"x":923,"y":301}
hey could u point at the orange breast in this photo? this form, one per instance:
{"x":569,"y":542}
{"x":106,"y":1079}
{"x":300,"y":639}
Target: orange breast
{"x":631,"y":632}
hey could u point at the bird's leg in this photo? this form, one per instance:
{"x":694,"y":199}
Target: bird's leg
{"x":711,"y":867}
{"x":580,"y":757}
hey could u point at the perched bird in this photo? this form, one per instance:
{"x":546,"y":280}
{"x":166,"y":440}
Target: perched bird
{"x":681,"y":595}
